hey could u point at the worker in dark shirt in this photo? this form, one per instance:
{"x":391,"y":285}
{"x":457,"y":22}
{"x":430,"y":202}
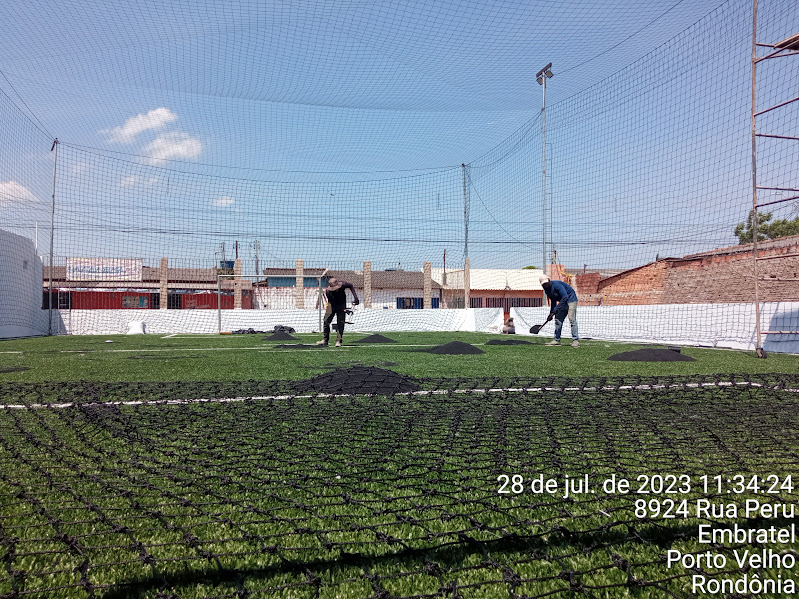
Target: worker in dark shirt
{"x":563,"y":300}
{"x":336,"y":306}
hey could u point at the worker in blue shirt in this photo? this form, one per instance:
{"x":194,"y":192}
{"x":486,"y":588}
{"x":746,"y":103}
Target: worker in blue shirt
{"x":563,"y":300}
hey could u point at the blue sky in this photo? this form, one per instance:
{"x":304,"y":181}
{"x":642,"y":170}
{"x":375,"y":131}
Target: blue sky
{"x":335,"y":131}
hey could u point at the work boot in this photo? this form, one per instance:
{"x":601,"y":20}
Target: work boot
{"x":553,"y":342}
{"x":322,"y":342}
{"x":575,"y":343}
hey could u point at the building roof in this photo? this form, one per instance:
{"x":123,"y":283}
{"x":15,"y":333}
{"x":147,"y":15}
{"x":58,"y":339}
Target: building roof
{"x":290,"y":272}
{"x":381,"y":279}
{"x":486,"y":279}
{"x":175,"y":276}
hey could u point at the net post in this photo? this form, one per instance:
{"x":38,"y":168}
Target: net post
{"x":367,"y":284}
{"x":466,"y":283}
{"x":299,"y":289}
{"x":237,"y":284}
{"x":755,"y":272}
{"x":319,"y":297}
{"x":219,"y":303}
{"x":427,"y":293}
{"x":52,"y":229}
{"x":163,"y":303}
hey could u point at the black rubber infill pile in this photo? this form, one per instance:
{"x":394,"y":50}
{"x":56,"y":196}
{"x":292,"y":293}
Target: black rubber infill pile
{"x":651,"y":354}
{"x":376,"y":338}
{"x":359,"y":380}
{"x":455,"y":348}
{"x":280,"y":336}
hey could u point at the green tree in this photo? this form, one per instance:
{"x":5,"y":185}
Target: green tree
{"x":529,"y":268}
{"x":766,"y":228}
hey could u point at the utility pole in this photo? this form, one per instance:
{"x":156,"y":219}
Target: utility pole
{"x":257,"y":267}
{"x":465,"y":216}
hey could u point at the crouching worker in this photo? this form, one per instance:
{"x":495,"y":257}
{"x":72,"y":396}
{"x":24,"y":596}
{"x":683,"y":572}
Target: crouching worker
{"x":336,"y":307}
{"x":509,"y":328}
{"x":564,"y":303}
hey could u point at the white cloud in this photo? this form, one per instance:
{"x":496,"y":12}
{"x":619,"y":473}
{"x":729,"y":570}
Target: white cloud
{"x":132,"y":180}
{"x":169,"y":146}
{"x":12,"y":192}
{"x":79,"y":168}
{"x":155,"y":119}
{"x":223,"y":201}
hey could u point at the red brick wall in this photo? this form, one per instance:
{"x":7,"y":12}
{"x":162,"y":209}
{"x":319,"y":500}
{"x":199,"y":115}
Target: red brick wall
{"x":587,"y":288}
{"x":717,"y":278}
{"x":730,"y":278}
{"x":645,"y":285}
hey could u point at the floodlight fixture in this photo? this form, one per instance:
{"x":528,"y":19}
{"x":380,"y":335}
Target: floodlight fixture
{"x":789,"y":43}
{"x":547,"y":70}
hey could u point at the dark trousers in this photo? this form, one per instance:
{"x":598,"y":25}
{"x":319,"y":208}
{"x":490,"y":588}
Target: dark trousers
{"x":340,"y":316}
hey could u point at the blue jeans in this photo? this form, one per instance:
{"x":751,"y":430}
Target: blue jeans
{"x":569,"y":310}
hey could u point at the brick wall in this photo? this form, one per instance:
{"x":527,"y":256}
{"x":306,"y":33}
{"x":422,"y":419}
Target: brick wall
{"x":644,"y":285}
{"x":587,"y":288}
{"x":730,"y":278}
{"x":722,"y":276}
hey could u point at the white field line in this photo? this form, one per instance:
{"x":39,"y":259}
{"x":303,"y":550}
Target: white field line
{"x":286,"y":350}
{"x":218,"y":336}
{"x":406,"y":393}
{"x":195,"y":336}
{"x":168,"y":349}
{"x":185,"y":349}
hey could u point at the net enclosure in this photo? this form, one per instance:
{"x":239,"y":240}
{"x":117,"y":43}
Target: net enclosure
{"x":260,"y":490}
{"x":147,"y":150}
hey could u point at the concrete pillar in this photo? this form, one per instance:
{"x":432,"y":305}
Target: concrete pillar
{"x":427,"y":294}
{"x":164,"y":276}
{"x":466,"y":283}
{"x":237,"y":284}
{"x":299,"y":289}
{"x":367,"y":284}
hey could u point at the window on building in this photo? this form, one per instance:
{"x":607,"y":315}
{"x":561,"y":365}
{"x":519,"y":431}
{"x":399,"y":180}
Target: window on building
{"x":135,"y":301}
{"x":415,"y":303}
{"x":506,"y":303}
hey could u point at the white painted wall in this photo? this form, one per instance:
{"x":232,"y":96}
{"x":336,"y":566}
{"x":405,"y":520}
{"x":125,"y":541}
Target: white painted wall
{"x":109,"y":322}
{"x":716,"y":325}
{"x":20,"y":288}
{"x":283,"y":298}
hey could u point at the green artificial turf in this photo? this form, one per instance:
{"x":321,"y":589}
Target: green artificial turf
{"x":245,"y":357}
{"x":374,"y":496}
{"x":287,"y":495}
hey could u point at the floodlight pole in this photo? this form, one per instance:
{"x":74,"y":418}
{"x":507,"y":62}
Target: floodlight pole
{"x":542,"y":77}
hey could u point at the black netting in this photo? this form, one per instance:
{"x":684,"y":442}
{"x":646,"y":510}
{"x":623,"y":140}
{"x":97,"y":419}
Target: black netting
{"x":250,"y":489}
